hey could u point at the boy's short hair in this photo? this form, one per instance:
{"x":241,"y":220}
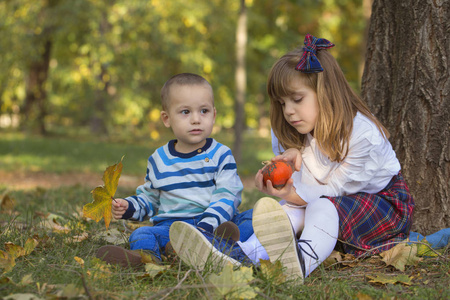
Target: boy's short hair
{"x":180,"y":79}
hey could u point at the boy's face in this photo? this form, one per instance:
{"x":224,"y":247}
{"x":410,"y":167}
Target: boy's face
{"x":191,"y":115}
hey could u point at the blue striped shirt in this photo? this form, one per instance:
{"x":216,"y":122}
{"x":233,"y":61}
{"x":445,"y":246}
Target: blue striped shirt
{"x":182,"y":185}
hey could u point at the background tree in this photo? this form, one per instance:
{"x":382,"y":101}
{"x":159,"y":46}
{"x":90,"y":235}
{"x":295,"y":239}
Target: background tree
{"x":406,"y":82}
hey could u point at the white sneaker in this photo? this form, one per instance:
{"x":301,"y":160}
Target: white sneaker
{"x":195,"y":249}
{"x":274,"y":231}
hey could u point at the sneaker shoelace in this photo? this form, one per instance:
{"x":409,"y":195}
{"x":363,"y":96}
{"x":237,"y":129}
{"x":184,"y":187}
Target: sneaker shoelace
{"x":301,"y":250}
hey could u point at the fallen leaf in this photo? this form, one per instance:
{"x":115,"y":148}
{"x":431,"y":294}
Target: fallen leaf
{"x":7,"y":203}
{"x":24,"y":296}
{"x":104,"y":195}
{"x":230,"y":284}
{"x":425,"y":249}
{"x":79,"y":260}
{"x":385,"y":279}
{"x":333,"y":258}
{"x":26,"y":280}
{"x":272,"y":271}
{"x":7,"y":262}
{"x":152,"y":269}
{"x":400,"y":256}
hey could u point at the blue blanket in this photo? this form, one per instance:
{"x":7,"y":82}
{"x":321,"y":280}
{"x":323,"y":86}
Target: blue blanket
{"x":437,"y":240}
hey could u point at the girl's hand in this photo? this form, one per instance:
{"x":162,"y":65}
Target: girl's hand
{"x":293,"y":155}
{"x":287,"y":192}
{"x":119,"y":207}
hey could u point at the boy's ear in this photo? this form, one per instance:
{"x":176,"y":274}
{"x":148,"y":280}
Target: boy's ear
{"x":165,"y":118}
{"x":215,"y":113}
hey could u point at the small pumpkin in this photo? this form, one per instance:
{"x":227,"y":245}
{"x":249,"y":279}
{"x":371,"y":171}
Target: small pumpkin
{"x":278,"y":172}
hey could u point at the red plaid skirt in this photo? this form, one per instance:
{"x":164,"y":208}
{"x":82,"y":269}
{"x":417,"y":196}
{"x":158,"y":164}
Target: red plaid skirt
{"x":368,"y":221}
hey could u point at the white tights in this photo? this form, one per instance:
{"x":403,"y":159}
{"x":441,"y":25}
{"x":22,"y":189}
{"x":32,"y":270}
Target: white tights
{"x":318,"y":223}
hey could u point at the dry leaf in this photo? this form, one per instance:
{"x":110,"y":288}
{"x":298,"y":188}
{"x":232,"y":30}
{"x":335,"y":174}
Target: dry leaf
{"x":104,"y":195}
{"x":152,"y":269}
{"x":7,"y":262}
{"x":8,"y":257}
{"x":400,"y":256}
{"x":333,"y":258}
{"x":7,"y":203}
{"x":272,"y":271}
{"x":231,"y":284}
{"x":386,"y":279}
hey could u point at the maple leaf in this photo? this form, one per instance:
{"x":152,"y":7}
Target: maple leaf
{"x":233,"y":284}
{"x":8,"y":257}
{"x":400,"y":256}
{"x":104,"y":195}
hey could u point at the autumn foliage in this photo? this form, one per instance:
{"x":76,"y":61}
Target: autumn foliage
{"x":104,"y":195}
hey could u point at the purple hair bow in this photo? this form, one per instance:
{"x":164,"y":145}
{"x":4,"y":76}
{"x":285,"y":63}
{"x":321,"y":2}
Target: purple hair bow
{"x":308,"y":62}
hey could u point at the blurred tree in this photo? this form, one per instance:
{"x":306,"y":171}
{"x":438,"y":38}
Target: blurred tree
{"x":109,"y":59}
{"x":406,"y":83}
{"x":241,"y":80}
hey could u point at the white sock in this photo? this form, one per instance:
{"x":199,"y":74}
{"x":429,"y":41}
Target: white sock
{"x":321,"y":229}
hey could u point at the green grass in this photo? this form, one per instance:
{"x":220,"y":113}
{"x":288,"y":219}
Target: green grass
{"x":50,"y":271}
{"x":19,"y":152}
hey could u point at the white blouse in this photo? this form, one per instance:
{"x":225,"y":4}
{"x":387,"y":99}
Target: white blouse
{"x":369,"y":166}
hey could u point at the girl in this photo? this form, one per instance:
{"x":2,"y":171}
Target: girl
{"x":347,"y":183}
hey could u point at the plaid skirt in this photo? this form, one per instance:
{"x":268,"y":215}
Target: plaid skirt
{"x":368,"y":221}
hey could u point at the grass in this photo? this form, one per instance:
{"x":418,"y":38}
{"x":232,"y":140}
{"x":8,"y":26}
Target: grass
{"x":51,"y":270}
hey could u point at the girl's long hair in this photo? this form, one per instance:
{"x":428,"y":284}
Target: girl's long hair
{"x":338,"y":105}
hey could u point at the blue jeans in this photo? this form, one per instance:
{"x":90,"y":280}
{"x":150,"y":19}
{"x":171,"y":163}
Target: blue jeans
{"x":155,"y":238}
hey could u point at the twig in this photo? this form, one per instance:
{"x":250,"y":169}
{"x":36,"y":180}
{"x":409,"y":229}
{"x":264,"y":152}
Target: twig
{"x":178,"y":284}
{"x":378,"y":247}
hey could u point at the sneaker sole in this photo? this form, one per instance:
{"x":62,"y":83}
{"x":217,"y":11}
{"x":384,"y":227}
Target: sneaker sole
{"x":194,"y":248}
{"x":274,"y":231}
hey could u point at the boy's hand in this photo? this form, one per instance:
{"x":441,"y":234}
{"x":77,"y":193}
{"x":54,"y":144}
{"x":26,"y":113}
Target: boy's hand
{"x":119,"y":207}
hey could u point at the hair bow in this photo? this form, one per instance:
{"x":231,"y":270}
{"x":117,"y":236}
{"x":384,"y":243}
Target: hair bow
{"x":308,"y":62}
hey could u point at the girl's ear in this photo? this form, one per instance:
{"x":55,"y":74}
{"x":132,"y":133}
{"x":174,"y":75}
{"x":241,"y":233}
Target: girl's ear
{"x":165,"y":118}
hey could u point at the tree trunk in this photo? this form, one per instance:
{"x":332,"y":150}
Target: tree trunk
{"x":34,"y":108}
{"x":406,"y":83}
{"x":241,"y":81}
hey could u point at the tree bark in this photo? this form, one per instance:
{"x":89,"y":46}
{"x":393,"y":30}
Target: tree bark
{"x":241,"y":81}
{"x":34,"y":108}
{"x":406,"y":83}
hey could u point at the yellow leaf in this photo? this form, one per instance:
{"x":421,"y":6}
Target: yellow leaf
{"x":14,"y":251}
{"x":233,"y":284}
{"x":79,"y":260}
{"x":152,"y":270}
{"x":385,"y":279}
{"x":30,"y":245}
{"x":7,"y":203}
{"x":400,"y":256}
{"x":7,"y":262}
{"x":103,"y":195}
{"x":273,"y":271}
{"x":425,"y":249}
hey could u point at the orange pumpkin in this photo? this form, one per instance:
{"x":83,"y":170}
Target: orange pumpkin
{"x":278,"y":173}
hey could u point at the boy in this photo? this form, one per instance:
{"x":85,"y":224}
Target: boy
{"x":191,"y":179}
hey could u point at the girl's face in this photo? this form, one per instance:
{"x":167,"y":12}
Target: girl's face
{"x":301,"y":109}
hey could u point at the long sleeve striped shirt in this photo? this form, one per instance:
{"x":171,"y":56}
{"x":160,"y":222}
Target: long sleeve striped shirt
{"x":182,"y":185}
